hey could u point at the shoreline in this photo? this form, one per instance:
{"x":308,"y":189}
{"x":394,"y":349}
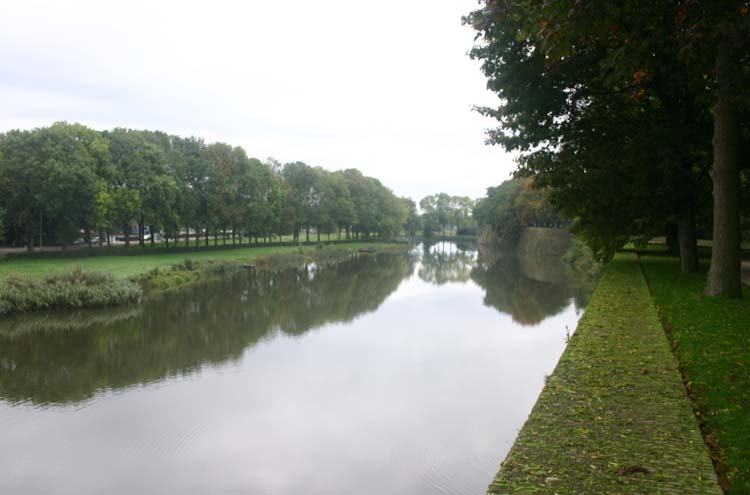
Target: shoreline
{"x":74,"y":286}
{"x":614,"y":416}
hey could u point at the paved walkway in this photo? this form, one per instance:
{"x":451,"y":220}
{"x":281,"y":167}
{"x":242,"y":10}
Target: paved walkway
{"x":614,"y":417}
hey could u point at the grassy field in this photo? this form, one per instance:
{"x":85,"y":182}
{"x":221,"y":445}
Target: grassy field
{"x":711,"y":338}
{"x":130,"y":266}
{"x":614,"y":416}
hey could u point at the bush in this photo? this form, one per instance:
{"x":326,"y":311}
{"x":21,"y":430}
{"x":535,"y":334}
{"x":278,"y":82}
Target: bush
{"x":72,"y":289}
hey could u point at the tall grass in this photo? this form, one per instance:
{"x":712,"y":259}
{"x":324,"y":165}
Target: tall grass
{"x":74,"y":288}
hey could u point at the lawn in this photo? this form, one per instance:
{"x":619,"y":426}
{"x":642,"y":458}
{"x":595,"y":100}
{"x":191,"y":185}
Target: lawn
{"x":711,"y":338}
{"x":129,"y":266}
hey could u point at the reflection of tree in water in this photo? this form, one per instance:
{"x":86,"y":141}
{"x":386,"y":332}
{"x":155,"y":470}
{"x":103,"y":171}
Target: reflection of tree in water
{"x":445,"y":262}
{"x":528,"y":289}
{"x":181,"y":332}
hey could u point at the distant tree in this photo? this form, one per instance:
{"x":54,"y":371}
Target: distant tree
{"x":66,"y":181}
{"x":515,"y":204}
{"x":413,"y":221}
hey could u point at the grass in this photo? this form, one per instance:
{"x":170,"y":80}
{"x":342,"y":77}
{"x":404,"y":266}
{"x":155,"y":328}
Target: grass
{"x":711,"y":339}
{"x":30,"y":284}
{"x":131,"y":266}
{"x":71,"y":289}
{"x":614,"y":416}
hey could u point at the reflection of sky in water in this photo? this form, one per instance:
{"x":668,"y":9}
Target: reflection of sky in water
{"x":423,"y":395}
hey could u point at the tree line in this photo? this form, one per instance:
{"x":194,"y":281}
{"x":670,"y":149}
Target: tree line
{"x":515,"y":204}
{"x":633,"y":115}
{"x":65,"y":181}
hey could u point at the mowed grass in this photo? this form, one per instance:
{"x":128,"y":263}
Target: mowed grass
{"x":130,"y":266}
{"x":711,"y":339}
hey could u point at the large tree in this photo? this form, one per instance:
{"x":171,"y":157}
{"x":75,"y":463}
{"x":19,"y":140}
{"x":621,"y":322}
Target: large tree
{"x":566,"y":69}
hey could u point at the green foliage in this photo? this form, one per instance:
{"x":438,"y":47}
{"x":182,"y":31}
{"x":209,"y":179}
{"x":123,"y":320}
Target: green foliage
{"x":442,"y":212}
{"x":72,"y":289}
{"x":65,"y":182}
{"x":609,"y":105}
{"x":515,"y":204}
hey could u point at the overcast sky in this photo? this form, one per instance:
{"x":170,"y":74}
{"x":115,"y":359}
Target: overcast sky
{"x":382,"y":86}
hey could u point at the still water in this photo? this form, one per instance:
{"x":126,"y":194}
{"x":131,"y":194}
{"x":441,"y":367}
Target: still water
{"x":392,"y":373}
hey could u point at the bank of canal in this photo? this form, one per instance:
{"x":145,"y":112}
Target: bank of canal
{"x":614,"y":417}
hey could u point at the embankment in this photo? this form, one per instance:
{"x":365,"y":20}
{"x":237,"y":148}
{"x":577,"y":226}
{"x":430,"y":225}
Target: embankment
{"x":614,"y":417}
{"x":72,"y":287}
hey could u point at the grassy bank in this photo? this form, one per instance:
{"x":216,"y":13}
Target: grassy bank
{"x":74,"y":288}
{"x":57,"y":283}
{"x":711,"y":339}
{"x":130,"y":265}
{"x":614,"y":416}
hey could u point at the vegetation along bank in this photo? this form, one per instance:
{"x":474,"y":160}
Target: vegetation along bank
{"x":57,"y":283}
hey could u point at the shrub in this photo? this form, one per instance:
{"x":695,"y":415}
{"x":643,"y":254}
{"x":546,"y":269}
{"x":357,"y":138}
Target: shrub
{"x":71,"y":289}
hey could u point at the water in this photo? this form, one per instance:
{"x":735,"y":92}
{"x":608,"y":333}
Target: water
{"x":392,"y":373}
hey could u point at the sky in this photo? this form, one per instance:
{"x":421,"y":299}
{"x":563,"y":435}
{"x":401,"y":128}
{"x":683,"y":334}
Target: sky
{"x":386,"y":87}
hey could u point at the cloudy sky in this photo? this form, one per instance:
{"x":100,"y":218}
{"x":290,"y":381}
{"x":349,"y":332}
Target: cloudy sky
{"x":382,"y":86}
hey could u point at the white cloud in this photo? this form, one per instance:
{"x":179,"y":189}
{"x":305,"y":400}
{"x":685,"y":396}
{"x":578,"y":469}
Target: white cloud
{"x":385,"y":86}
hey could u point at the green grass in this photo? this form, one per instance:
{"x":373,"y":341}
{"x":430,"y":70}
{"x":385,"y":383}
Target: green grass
{"x":74,"y":288}
{"x":614,"y":417}
{"x":711,"y":338}
{"x":30,"y":284}
{"x":131,"y":266}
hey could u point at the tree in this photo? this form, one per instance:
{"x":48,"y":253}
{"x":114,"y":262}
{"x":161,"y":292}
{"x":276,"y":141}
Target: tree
{"x":302,"y":196}
{"x":51,"y":173}
{"x":138,"y":161}
{"x":66,"y":180}
{"x":413,"y":222}
{"x":337,"y":202}
{"x":566,"y":69}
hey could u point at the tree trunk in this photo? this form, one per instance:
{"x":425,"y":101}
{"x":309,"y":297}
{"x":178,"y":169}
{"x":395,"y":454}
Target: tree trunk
{"x":140,"y":232}
{"x":307,"y":233}
{"x":206,"y":237}
{"x":127,"y":235}
{"x":29,"y":235}
{"x":724,"y":274}
{"x":151,"y":229}
{"x":687,"y":238}
{"x":318,"y":231}
{"x":672,"y":239}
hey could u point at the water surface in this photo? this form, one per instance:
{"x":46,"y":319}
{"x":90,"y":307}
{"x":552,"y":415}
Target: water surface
{"x":393,"y":373}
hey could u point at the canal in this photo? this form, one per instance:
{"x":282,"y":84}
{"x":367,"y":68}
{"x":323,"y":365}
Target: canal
{"x":391,"y":373}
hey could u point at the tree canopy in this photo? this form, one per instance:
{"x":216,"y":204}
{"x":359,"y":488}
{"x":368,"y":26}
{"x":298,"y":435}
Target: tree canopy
{"x":66,"y":181}
{"x":627,"y":112}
